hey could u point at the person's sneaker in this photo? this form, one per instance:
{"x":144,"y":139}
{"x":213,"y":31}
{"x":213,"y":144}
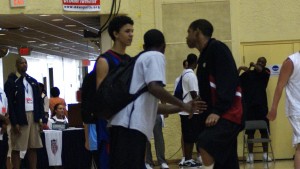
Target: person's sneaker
{"x":249,"y":158}
{"x":191,"y":163}
{"x":199,"y":159}
{"x":181,"y":162}
{"x":267,"y":158}
{"x":164,"y":166}
{"x":148,"y":166}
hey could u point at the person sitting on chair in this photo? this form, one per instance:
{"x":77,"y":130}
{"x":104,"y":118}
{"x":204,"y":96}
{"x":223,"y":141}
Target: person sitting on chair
{"x":255,"y":105}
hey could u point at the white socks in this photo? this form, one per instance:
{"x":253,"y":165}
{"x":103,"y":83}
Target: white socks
{"x":208,"y":167}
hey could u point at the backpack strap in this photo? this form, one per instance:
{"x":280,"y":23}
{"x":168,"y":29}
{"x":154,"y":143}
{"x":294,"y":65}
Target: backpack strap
{"x":145,"y":88}
{"x":182,"y":87}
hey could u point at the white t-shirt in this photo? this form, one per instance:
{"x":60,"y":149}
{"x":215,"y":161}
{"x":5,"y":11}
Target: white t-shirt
{"x":292,"y":103}
{"x":3,"y":108}
{"x":28,"y":96}
{"x":141,"y":114}
{"x":189,"y":83}
{"x":3,"y":102}
{"x":51,"y":121}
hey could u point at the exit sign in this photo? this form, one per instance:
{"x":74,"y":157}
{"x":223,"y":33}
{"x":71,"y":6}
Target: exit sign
{"x":17,"y":3}
{"x":24,"y":51}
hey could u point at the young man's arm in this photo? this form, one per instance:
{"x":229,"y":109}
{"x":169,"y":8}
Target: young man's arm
{"x":165,"y":109}
{"x":225,"y":83}
{"x":284,"y":75}
{"x":156,"y":89}
{"x":102,"y":69}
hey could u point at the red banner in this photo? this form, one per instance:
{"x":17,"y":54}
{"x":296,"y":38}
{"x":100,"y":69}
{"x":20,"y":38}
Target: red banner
{"x":81,"y":5}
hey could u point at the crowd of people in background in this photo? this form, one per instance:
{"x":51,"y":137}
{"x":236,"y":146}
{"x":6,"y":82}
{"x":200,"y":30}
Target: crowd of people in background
{"x":215,"y":103}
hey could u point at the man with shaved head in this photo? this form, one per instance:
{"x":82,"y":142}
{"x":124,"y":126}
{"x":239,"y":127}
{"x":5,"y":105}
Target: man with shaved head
{"x":25,"y":112}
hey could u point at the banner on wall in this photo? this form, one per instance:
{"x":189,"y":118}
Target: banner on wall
{"x":17,"y":3}
{"x":81,"y":5}
{"x":274,"y":69}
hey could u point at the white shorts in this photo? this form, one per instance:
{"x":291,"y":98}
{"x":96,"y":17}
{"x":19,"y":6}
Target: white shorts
{"x":295,"y":123}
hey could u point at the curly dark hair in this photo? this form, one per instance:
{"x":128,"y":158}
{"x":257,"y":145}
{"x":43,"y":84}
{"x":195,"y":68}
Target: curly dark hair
{"x":117,"y":23}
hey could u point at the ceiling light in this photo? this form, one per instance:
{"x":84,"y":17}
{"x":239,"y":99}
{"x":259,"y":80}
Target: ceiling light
{"x":57,"y":20}
{"x":44,"y":15}
{"x":31,"y":41}
{"x":1,"y":34}
{"x":43,"y":44}
{"x":70,"y":25}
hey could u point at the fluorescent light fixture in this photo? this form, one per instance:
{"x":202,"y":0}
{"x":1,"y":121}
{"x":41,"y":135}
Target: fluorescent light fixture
{"x":43,"y":44}
{"x":70,"y":25}
{"x":31,"y":41}
{"x":2,"y":34}
{"x":44,"y":15}
{"x":57,"y":20}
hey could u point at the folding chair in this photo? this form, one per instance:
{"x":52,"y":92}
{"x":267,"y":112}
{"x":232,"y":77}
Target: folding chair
{"x":257,"y":142}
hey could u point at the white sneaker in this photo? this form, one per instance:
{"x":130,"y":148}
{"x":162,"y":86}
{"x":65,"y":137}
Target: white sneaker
{"x":164,"y":166}
{"x":199,"y":159}
{"x":148,"y":166}
{"x":266,"y":158}
{"x":181,"y":162}
{"x":250,"y":158}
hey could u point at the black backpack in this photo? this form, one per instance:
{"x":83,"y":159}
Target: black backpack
{"x":113,"y":93}
{"x":88,"y":102}
{"x":88,"y":89}
{"x":179,"y":90}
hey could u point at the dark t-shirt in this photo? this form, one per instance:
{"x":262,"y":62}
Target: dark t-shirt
{"x":254,"y":85}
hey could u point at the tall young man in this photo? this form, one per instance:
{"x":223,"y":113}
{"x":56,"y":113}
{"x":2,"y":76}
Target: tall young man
{"x":219,"y":87}
{"x":289,"y":78}
{"x":133,"y":125}
{"x":120,"y":30}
